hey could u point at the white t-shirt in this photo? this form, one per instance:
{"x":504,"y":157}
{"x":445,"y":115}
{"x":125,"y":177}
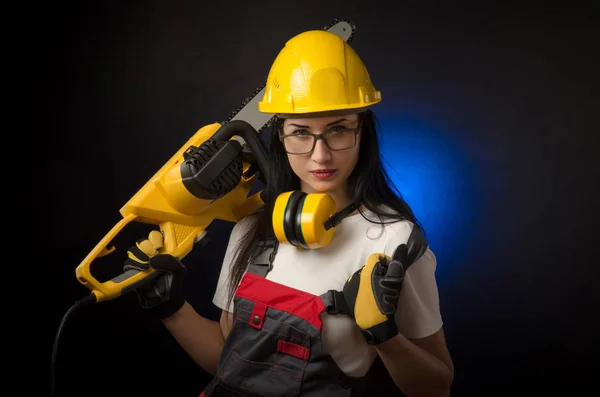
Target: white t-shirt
{"x":328,"y":268}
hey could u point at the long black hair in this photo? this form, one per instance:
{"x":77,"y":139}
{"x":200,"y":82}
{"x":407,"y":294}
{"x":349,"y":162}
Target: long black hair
{"x":368,"y":184}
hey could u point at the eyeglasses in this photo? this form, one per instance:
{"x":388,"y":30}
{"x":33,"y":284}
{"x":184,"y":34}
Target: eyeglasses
{"x":336,"y":138}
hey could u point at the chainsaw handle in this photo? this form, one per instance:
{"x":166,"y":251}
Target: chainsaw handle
{"x":112,"y":288}
{"x":178,"y":241}
{"x":252,"y":139}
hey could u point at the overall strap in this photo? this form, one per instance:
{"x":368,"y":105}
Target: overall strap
{"x":335,"y":303}
{"x":262,"y":264}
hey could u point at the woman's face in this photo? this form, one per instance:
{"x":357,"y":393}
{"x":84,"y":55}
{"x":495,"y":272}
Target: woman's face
{"x":323,"y":169}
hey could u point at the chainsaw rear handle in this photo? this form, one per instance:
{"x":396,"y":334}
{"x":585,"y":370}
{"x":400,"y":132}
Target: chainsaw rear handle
{"x":179,"y":241}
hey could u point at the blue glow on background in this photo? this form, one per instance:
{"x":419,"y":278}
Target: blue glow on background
{"x":436,"y":178}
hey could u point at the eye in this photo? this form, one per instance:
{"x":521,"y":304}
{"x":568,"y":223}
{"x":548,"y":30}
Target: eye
{"x":337,"y":128}
{"x":299,"y":132}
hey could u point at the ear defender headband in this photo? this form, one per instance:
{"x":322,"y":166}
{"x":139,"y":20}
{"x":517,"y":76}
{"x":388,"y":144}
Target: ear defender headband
{"x":307,"y":220}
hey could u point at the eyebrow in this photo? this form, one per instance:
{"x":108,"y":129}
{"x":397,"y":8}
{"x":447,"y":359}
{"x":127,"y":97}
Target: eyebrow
{"x":329,"y":124}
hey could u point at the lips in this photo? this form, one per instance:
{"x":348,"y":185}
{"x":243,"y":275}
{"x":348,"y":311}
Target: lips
{"x":323,"y":174}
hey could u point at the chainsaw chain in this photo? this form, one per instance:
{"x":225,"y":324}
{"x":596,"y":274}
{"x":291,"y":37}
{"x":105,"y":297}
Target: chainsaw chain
{"x":349,"y":22}
{"x":258,"y":89}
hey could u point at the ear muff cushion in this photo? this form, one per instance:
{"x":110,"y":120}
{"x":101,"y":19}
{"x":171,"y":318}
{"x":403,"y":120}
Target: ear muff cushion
{"x":299,"y":234}
{"x":291,"y":215}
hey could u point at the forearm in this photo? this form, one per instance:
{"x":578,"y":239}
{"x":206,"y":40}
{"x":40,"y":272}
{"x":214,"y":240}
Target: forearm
{"x":415,"y":371}
{"x":200,"y":337}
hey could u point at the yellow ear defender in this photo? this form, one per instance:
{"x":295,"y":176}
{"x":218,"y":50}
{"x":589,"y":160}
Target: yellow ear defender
{"x":307,"y":219}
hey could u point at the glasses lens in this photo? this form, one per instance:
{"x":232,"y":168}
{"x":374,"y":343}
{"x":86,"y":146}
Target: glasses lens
{"x":304,"y":143}
{"x":298,"y":144}
{"x":340,"y":140}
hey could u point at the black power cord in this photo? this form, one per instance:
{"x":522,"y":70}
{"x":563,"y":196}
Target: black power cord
{"x":87,"y":301}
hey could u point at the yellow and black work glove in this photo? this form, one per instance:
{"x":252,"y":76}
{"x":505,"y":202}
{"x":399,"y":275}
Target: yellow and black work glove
{"x":372,"y":294}
{"x":163,"y":296}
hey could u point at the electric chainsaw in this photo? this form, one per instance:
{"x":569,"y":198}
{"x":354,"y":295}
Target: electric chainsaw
{"x":208,"y":178}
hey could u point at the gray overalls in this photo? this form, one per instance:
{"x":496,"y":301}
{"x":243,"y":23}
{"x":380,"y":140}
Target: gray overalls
{"x":274,"y":348}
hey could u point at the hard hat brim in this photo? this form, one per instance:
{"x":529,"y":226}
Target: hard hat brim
{"x":326,"y":113}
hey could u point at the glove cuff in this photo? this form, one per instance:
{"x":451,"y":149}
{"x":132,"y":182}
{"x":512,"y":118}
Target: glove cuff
{"x":381,"y":332}
{"x":166,"y":309}
{"x":163,"y":298}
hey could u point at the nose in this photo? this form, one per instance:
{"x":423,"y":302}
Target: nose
{"x":321,"y":154}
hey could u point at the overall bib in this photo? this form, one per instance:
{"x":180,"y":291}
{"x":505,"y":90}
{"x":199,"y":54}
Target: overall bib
{"x":274,"y":348}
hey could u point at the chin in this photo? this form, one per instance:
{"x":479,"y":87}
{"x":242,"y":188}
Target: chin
{"x":323,"y":186}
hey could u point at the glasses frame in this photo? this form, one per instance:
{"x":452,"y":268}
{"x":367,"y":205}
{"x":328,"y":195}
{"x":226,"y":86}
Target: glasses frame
{"x":321,"y":136}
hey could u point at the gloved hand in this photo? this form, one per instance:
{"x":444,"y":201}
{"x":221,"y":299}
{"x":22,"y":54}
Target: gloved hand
{"x":372,"y":294}
{"x":163,"y":296}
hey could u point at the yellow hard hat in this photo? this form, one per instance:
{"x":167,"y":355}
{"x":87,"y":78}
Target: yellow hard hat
{"x":317,"y":71}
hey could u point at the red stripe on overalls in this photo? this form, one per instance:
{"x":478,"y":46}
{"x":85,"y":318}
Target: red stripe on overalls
{"x":299,"y":303}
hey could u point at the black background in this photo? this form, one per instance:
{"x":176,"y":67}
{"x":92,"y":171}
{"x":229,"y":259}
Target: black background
{"x":122,"y":85}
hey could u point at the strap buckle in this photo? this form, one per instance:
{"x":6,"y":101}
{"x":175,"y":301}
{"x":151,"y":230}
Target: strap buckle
{"x":263,"y":263}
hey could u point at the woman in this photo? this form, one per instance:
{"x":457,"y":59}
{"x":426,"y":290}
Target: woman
{"x":309,"y":320}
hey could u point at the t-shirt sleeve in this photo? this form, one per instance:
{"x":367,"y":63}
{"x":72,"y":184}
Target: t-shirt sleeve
{"x":418,"y":314}
{"x":222,"y":290}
